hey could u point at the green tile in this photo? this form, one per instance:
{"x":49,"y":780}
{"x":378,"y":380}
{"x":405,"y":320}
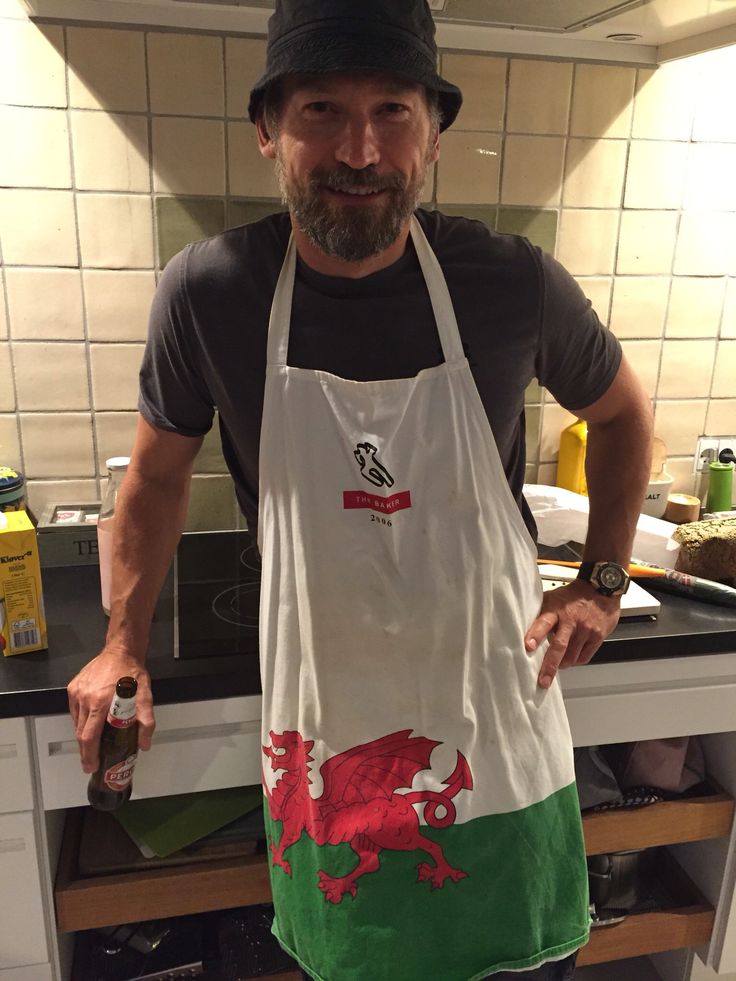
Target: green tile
{"x":533,"y":394}
{"x":243,"y":212}
{"x":540,"y":227}
{"x":533,"y":418}
{"x":183,"y":220}
{"x":481,"y":212}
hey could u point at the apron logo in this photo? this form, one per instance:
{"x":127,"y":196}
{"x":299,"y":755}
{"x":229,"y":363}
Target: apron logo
{"x":384,"y":505}
{"x":371,"y":468}
{"x":374,"y":471}
{"x":360,"y":805}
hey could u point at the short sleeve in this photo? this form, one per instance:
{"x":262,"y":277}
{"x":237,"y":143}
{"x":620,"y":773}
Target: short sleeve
{"x":173,"y":393}
{"x":578,"y":358}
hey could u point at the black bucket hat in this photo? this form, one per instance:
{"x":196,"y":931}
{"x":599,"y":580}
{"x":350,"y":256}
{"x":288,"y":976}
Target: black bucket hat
{"x":316,"y":36}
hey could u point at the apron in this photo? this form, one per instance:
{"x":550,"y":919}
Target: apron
{"x":420,"y":802}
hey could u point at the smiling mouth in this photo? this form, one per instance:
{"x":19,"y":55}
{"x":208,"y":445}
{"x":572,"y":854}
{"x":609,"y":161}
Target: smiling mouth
{"x":356,"y":193}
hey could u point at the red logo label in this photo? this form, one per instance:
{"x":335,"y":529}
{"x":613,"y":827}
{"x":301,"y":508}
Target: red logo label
{"x":118,"y":777}
{"x":385,"y":505}
{"x":121,"y":723}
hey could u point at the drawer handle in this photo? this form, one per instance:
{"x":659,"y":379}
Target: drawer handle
{"x":207,"y":732}
{"x":67,"y":747}
{"x":12,"y":845}
{"x":8,"y":751}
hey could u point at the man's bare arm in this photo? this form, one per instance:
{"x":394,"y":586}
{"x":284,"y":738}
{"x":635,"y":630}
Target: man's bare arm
{"x":149,"y":518}
{"x":617,"y":464}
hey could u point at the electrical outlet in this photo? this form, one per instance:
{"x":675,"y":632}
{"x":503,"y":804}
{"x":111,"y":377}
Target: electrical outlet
{"x":726,"y":443}
{"x":707,"y":449}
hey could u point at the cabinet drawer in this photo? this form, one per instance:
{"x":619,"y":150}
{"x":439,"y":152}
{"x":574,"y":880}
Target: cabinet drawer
{"x":686,"y":921}
{"x":84,"y":902}
{"x":665,"y":823}
{"x":197,"y":746}
{"x":15,"y":767}
{"x":35,"y":972}
{"x":22,"y":932}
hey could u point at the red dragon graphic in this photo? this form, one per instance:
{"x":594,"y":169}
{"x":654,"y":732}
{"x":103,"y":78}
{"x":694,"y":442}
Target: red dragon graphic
{"x":360,"y":804}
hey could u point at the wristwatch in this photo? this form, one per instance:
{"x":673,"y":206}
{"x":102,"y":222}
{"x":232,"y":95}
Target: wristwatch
{"x":609,"y":578}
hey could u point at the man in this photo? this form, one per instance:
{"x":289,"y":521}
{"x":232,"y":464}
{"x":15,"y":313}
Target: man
{"x":420,"y":796}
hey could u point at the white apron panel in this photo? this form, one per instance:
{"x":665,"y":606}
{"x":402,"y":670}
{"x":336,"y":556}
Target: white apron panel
{"x":375,"y":619}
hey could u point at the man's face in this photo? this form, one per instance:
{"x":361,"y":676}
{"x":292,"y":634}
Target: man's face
{"x":351,"y":154}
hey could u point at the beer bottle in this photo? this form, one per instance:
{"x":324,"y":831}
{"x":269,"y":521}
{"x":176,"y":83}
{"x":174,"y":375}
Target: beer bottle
{"x":111,"y":784}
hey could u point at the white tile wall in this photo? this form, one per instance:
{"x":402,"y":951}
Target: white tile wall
{"x":38,"y":227}
{"x":107,"y":69}
{"x":637,"y":165}
{"x":45,"y":304}
{"x":189,"y":156}
{"x":115,"y":231}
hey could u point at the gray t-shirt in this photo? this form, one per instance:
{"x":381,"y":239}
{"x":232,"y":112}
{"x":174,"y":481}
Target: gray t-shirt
{"x":521,"y":316}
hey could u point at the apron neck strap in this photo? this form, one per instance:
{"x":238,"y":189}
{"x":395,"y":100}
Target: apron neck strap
{"x":278,"y":323}
{"x":439,"y":295}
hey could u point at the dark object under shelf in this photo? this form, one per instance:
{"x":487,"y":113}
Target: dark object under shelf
{"x":173,"y":946}
{"x":247,"y":947}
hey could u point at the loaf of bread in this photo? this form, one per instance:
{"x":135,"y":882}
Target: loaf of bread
{"x":707,"y":548}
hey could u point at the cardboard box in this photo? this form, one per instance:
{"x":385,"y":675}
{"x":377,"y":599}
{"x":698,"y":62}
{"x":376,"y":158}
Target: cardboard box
{"x":22,"y":619}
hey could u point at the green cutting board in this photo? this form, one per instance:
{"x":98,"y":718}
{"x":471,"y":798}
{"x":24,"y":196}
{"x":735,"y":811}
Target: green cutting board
{"x":162,"y":825}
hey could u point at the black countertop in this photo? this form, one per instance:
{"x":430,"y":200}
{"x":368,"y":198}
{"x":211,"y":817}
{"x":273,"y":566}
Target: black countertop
{"x":35,"y":684}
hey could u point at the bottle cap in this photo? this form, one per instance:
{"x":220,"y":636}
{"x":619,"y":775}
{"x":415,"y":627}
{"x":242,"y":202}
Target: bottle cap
{"x":117,"y":462}
{"x":126,"y":687}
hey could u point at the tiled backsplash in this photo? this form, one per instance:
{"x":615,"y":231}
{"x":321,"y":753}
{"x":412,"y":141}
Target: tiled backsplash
{"x":121,"y":145}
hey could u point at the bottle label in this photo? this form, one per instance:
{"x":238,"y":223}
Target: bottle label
{"x":118,"y":776}
{"x":122,"y":712}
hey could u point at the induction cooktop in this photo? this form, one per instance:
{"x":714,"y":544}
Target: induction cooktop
{"x":217,"y":587}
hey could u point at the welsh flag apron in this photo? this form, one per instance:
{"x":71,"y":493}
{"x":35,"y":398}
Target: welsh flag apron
{"x":419,"y":786}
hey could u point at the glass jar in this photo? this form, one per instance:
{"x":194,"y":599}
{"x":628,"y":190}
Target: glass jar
{"x":117,"y":467}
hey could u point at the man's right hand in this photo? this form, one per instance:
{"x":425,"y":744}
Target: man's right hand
{"x":90,"y":694}
{"x":149,"y":517}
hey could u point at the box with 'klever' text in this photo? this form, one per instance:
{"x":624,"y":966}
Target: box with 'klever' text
{"x":22,"y":620}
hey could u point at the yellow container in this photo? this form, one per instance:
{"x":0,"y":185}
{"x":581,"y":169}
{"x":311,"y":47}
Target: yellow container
{"x":22,"y":619}
{"x":571,"y":461}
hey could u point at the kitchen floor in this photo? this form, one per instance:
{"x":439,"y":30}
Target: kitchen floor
{"x":631,"y":969}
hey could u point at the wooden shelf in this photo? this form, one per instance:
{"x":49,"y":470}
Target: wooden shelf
{"x":665,"y":823}
{"x":687,"y":923}
{"x":104,"y":900}
{"x":128,"y":897}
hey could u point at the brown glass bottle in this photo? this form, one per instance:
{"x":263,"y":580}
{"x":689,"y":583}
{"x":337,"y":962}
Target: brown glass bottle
{"x":111,"y":785}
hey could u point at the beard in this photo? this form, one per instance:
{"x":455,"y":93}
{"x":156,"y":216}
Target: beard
{"x":350,"y":232}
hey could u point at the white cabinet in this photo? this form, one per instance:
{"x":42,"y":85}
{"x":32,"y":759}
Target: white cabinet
{"x":23,"y":946}
{"x":16,"y":790}
{"x":197,"y":746}
{"x":201,"y":746}
{"x":35,"y":972}
{"x":22,"y":931}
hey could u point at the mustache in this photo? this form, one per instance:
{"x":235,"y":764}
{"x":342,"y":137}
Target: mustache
{"x":344,"y":178}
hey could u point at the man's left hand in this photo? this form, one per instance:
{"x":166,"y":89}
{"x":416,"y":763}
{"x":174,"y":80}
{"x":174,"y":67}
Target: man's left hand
{"x":577,"y":619}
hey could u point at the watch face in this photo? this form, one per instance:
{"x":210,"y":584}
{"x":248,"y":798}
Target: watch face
{"x":611,"y":576}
